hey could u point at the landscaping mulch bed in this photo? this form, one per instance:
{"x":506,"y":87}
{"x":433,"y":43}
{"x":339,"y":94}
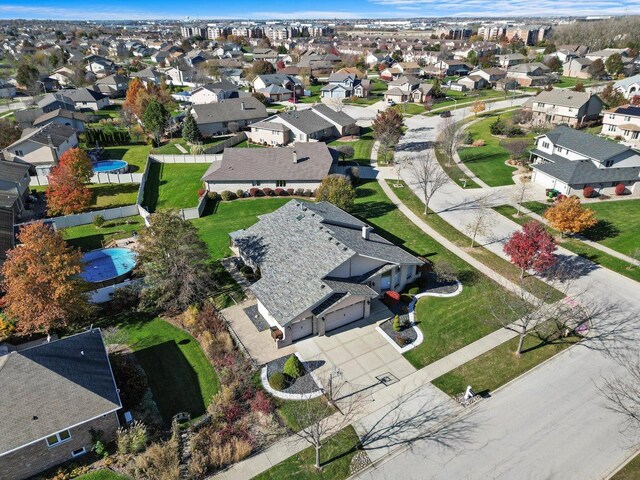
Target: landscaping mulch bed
{"x":256,"y":318}
{"x":301,"y":385}
{"x":407,"y":333}
{"x":435,"y":285}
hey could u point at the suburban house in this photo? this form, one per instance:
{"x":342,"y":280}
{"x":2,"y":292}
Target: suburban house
{"x":63,"y":75}
{"x":531,"y":74}
{"x":569,"y":160}
{"x":14,"y":186}
{"x":577,"y":68}
{"x":473,"y":82}
{"x":54,"y":101}
{"x":75,"y":120}
{"x":629,"y":68}
{"x":228,"y":115}
{"x":447,"y":68}
{"x":53,"y":397}
{"x":622,"y":123}
{"x":7,"y":90}
{"x":87,"y":99}
{"x":372,"y":59}
{"x":41,"y":147}
{"x":491,"y":75}
{"x":278,"y":87}
{"x":345,"y":85}
{"x":320,"y":268}
{"x":564,"y":106}
{"x":266,"y":54}
{"x":318,"y":123}
{"x":213,"y":92}
{"x":407,"y":88}
{"x":148,"y":76}
{"x":113,"y":86}
{"x":301,"y":166}
{"x":629,"y":87}
{"x":510,"y":59}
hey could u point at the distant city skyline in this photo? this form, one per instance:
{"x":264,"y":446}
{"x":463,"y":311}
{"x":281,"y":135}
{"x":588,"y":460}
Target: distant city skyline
{"x":306,"y":9}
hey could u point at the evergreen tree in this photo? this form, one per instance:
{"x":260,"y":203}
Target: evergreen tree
{"x":190,"y":131}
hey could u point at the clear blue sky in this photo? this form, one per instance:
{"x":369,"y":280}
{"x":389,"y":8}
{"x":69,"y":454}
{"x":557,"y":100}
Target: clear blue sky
{"x":261,"y":9}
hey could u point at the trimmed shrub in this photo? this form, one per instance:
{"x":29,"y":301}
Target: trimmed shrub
{"x":402,"y":341}
{"x":254,"y":192}
{"x":468,"y":138}
{"x":213,"y":196}
{"x":261,"y":403}
{"x":227,"y":195}
{"x":406,"y":298}
{"x":201,"y":192}
{"x":620,"y":188}
{"x":277,"y":381}
{"x":299,"y":192}
{"x":280,"y":192}
{"x":396,"y":324}
{"x":98,"y":221}
{"x":267,"y":191}
{"x":413,"y":291}
{"x":293,"y":367}
{"x":587,"y":192}
{"x":478,"y":143}
{"x":290,"y":191}
{"x":240,"y":193}
{"x":308,"y":193}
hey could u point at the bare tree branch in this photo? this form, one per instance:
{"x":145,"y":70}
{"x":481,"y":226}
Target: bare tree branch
{"x":429,"y":175}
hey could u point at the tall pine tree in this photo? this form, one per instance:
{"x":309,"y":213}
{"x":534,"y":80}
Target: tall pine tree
{"x":190,"y":131}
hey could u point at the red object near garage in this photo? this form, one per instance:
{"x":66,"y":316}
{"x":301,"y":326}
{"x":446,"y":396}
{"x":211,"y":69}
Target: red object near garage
{"x":392,"y":297}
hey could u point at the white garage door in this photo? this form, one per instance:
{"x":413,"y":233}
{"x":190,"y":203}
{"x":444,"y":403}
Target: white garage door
{"x":343,"y":316}
{"x":302,"y":329}
{"x":544,"y":180}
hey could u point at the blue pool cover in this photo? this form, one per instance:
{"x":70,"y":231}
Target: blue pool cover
{"x":107,"y":263}
{"x":109,"y":165}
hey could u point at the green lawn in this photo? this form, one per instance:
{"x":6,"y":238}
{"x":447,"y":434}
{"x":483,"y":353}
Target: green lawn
{"x":335,"y":458}
{"x":483,"y":255}
{"x":173,"y":185}
{"x":488,"y":161}
{"x":500,"y":365}
{"x":631,"y":471}
{"x":246,"y":144}
{"x":361,"y":147}
{"x":134,"y":154}
{"x":180,"y":376}
{"x":315,"y":94}
{"x":170,"y":148}
{"x":110,"y":195}
{"x":454,"y":172}
{"x":447,"y":323}
{"x":287,"y":409}
{"x":466,"y":98}
{"x":112,"y":111}
{"x":89,"y":237}
{"x":566,"y":82}
{"x":102,"y":475}
{"x":230,"y":216}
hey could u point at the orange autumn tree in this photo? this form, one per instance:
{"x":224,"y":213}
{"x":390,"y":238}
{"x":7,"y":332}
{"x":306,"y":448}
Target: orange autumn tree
{"x":569,"y":216}
{"x":42,"y":285}
{"x":67,"y":192}
{"x":132,"y":100}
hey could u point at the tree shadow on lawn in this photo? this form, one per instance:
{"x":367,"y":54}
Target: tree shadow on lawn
{"x":173,"y":381}
{"x":602,"y":230}
{"x":372,"y":209}
{"x":152,"y":187}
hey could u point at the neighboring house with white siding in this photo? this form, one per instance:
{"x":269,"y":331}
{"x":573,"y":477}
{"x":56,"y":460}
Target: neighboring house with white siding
{"x":216,"y":118}
{"x":558,"y":106}
{"x":622,"y":123}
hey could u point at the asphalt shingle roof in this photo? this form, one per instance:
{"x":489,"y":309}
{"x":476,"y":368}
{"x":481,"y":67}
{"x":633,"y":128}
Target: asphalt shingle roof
{"x":12,"y":171}
{"x":230,"y":110}
{"x":50,"y":387}
{"x":585,"y":144}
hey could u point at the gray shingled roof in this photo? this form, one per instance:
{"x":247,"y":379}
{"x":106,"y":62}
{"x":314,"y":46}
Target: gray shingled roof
{"x":340,"y":118}
{"x":54,"y":97}
{"x":585,"y":143}
{"x":298,"y":247}
{"x":84,"y":95}
{"x":12,"y":171}
{"x":564,"y":98}
{"x":314,"y":161}
{"x":48,"y":388}
{"x":306,"y":121}
{"x":230,"y":110}
{"x":56,"y":132}
{"x":60,"y":112}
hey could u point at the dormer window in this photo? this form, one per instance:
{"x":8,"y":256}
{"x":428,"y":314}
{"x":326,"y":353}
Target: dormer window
{"x":608,"y":163}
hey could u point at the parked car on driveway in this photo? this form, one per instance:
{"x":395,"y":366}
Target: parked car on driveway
{"x":446,"y":114}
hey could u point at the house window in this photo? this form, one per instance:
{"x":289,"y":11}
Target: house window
{"x":59,"y":437}
{"x":540,"y":105}
{"x":19,"y":153}
{"x":545,"y":144}
{"x":612,"y":128}
{"x":281,"y":183}
{"x":256,"y":183}
{"x":608,"y":163}
{"x":611,"y":116}
{"x":78,"y":452}
{"x":627,"y":118}
{"x":634,"y":136}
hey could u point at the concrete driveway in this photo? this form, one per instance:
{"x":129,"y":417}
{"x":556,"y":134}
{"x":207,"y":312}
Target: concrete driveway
{"x":362,"y":355}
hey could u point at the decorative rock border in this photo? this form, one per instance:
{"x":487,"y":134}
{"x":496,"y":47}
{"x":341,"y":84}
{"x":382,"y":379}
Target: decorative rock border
{"x":420,"y":336}
{"x":291,"y":396}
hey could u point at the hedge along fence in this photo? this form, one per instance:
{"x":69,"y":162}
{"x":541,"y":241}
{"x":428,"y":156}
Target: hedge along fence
{"x":229,"y":142}
{"x":107,"y":136}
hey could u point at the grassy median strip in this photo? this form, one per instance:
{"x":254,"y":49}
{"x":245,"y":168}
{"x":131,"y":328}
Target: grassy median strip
{"x":500,"y":365}
{"x":335,"y":459}
{"x":574,"y":245}
{"x":631,"y":471}
{"x":483,"y":255}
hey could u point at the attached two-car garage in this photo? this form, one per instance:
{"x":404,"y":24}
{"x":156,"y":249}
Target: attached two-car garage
{"x":343,"y":316}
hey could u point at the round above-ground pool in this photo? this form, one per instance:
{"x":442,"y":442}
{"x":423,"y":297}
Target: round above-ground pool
{"x":110,"y":166}
{"x":108,"y":266}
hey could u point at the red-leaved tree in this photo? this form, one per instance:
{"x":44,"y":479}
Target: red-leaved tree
{"x":67,"y":192}
{"x":531,"y":248}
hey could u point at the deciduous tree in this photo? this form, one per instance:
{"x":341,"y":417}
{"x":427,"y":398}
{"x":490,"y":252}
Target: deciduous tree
{"x":67,"y":192}
{"x":596,"y":69}
{"x":262,"y":67}
{"x":614,"y":64}
{"x":531,"y":248}
{"x":429,"y":176}
{"x":478,"y":107}
{"x":42,"y":283}
{"x":133,"y":94}
{"x":387,"y":128}
{"x":9,"y":132}
{"x":569,"y":216}
{"x":337,"y":189}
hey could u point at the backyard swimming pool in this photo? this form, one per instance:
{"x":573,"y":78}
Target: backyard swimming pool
{"x":110,"y":166}
{"x":108,"y":265}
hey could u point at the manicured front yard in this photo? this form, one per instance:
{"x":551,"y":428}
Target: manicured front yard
{"x":447,"y":323}
{"x":466,"y":98}
{"x":631,"y":471}
{"x":89,"y":237}
{"x":180,"y":376}
{"x":335,"y":458}
{"x":500,"y":365}
{"x":134,"y":154}
{"x":361,"y":147}
{"x":171,"y":185}
{"x":110,"y":195}
{"x":488,"y":161}
{"x":230,"y":216}
{"x":102,"y":475}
